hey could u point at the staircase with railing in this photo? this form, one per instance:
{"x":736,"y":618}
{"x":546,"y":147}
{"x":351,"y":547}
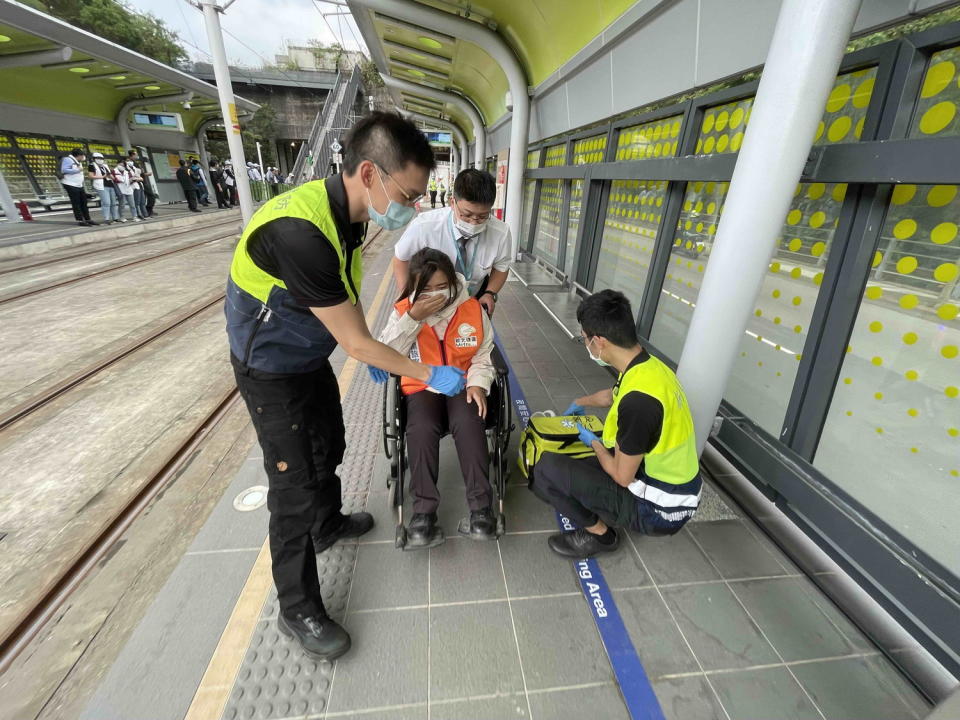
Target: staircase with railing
{"x":315,"y":154}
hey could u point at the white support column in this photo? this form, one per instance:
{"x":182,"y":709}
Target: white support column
{"x":221,"y":71}
{"x":458,"y":137}
{"x":459,"y":101}
{"x":805,"y":53}
{"x":497,"y":48}
{"x":6,"y":201}
{"x":202,"y":139}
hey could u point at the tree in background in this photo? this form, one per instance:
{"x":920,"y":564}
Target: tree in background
{"x":117,"y":22}
{"x":259,"y":128}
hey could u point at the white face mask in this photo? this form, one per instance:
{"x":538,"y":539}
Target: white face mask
{"x":468,"y":229}
{"x":431,"y":293}
{"x":596,"y":358}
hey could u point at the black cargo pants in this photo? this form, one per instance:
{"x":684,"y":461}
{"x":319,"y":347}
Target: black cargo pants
{"x":299,"y":423}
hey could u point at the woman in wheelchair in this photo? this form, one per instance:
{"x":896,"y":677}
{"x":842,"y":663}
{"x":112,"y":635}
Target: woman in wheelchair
{"x":436,"y":321}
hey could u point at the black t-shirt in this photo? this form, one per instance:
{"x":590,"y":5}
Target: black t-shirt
{"x":639,"y":418}
{"x":297,"y":252}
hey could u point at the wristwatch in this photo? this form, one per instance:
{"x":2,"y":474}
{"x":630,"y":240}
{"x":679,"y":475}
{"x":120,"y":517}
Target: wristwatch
{"x":491,"y":292}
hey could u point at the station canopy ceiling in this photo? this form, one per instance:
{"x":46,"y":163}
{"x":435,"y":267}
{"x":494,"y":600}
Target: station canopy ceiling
{"x":97,"y":78}
{"x":544,"y":34}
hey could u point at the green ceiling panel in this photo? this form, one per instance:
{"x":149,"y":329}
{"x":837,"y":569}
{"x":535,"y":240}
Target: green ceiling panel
{"x":544,"y":33}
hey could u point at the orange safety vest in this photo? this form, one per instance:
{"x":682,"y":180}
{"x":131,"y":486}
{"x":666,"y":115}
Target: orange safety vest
{"x":459,"y":344}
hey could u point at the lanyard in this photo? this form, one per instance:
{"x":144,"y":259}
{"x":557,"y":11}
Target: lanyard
{"x":467,"y":273}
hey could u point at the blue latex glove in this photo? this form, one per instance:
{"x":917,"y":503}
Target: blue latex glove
{"x":447,"y":379}
{"x":574,"y":409}
{"x":587,"y":437}
{"x":377,"y":375}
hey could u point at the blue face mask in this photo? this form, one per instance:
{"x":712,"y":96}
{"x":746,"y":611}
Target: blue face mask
{"x":395,"y":217}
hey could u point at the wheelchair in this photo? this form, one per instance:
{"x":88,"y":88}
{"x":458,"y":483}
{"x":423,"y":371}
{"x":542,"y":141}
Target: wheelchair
{"x":499,"y":426}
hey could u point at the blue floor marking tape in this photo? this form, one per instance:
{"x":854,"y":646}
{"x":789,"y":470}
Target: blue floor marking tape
{"x":635,"y":687}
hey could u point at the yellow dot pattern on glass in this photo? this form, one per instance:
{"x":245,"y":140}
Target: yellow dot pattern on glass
{"x":658,"y":138}
{"x":528,"y":190}
{"x":936,"y":112}
{"x":555,"y":156}
{"x":634,"y":214}
{"x":546,"y":243}
{"x":589,"y":150}
{"x":533,"y":159}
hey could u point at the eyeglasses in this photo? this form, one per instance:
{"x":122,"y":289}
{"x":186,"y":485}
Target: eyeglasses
{"x":410,"y":200}
{"x":467,"y":215}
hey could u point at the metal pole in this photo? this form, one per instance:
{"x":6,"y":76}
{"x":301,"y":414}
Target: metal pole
{"x":6,"y":201}
{"x":805,"y":53}
{"x":231,"y":123}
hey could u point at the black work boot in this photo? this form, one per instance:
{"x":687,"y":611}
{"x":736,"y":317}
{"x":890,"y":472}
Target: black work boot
{"x":353,"y":525}
{"x":483,"y":524}
{"x":320,"y":637}
{"x":423,"y":531}
{"x":580,"y":543}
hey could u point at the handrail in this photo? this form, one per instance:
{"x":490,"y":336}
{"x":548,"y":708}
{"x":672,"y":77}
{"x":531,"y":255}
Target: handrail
{"x":327,"y":128}
{"x":318,"y":123}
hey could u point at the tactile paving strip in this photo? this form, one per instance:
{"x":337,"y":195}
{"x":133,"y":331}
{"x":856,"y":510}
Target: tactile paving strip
{"x":276,"y":680}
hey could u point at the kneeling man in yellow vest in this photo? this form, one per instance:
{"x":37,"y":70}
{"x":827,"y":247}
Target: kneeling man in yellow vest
{"x":645,"y":472}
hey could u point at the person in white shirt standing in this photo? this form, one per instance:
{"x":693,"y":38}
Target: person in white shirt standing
{"x":136,"y":182}
{"x":102,"y":178}
{"x":121,"y":175}
{"x":71,"y":177}
{"x":477,"y":243}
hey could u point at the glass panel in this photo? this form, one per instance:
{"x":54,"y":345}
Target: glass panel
{"x":634,"y":212}
{"x":936,"y":114}
{"x":723,"y":126}
{"x":20,"y":187}
{"x":573,"y":225}
{"x":762,"y":379}
{"x":67,"y":144}
{"x":546,"y":244}
{"x":5,"y":141}
{"x":109,"y":151}
{"x":33,"y":143}
{"x":556,"y":155}
{"x":895,"y":416}
{"x":653,"y":139}
{"x":528,"y":188}
{"x":44,"y":169}
{"x":588,"y":151}
{"x":533,"y":159}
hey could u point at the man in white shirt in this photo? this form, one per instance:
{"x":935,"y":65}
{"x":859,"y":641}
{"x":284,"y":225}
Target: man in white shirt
{"x":71,"y":177}
{"x":476,"y":242}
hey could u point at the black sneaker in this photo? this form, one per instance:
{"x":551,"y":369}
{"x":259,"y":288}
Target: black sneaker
{"x":423,"y":531}
{"x":483,"y":524}
{"x":353,"y":525}
{"x":581,"y":544}
{"x":320,"y":637}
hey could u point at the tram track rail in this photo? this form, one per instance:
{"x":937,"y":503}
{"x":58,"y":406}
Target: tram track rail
{"x":11,"y":267}
{"x":14,"y":640}
{"x":113,"y":268}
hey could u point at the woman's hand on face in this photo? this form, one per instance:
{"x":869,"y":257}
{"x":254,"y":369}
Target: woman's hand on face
{"x":424,"y":307}
{"x":478,"y":396}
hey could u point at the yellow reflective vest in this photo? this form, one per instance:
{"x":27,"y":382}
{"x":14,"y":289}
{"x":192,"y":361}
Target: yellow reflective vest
{"x":267,"y":328}
{"x":674,"y":458}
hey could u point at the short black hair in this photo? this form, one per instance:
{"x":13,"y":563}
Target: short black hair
{"x":476,"y":186}
{"x":608,"y":314}
{"x":132,"y":152}
{"x":182,"y":163}
{"x":77,"y":152}
{"x":389,"y":140}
